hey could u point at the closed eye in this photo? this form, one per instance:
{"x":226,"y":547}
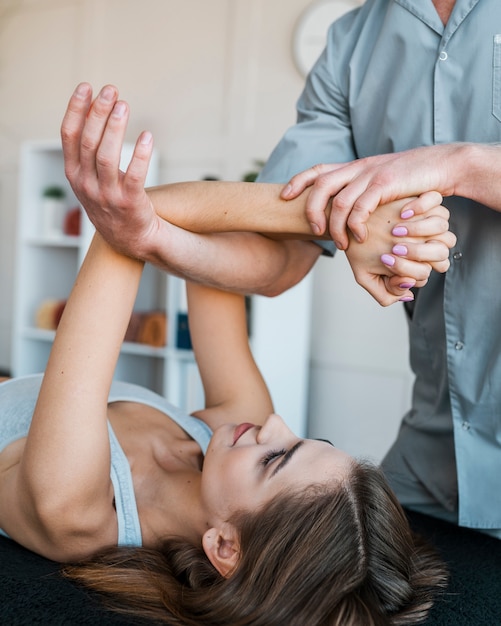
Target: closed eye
{"x":272,"y":456}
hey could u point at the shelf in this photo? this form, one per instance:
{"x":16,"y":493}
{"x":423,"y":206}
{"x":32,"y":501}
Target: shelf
{"x":46,"y":268}
{"x":61,"y":241}
{"x":128,"y":347}
{"x":39,"y":334}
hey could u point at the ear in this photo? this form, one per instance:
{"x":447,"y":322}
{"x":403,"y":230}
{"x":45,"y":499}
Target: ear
{"x":222,"y":547}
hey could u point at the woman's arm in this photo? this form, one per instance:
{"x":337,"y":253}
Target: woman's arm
{"x":223,"y":206}
{"x":234,"y":388}
{"x":92,"y":135}
{"x":59,"y":499}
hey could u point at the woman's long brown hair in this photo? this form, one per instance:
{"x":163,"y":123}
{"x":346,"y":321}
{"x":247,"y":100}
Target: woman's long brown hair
{"x":337,"y":555}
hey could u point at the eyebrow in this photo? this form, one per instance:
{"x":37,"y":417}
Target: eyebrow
{"x":287,"y":457}
{"x":325,"y":441}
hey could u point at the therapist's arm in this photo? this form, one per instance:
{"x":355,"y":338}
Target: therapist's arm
{"x":356,"y":189}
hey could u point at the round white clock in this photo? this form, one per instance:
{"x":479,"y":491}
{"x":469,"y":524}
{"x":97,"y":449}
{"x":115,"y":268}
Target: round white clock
{"x":310,"y":33}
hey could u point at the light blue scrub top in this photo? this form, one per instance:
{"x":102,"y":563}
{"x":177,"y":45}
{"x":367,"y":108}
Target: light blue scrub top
{"x":392,"y":77}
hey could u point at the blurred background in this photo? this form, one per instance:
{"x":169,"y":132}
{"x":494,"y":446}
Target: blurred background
{"x":216,"y":82}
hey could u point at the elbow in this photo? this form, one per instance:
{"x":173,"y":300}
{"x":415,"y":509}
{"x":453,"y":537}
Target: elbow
{"x":70,"y":533}
{"x":273,"y":289}
{"x":298,"y":257}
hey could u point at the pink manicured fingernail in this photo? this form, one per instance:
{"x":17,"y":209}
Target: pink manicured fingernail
{"x":399,"y":249}
{"x":406,"y":214}
{"x":146,"y":137}
{"x":406,"y":285}
{"x":287,"y":191}
{"x":406,"y":299}
{"x":315,"y":228}
{"x":387,"y":259}
{"x":400,"y":231}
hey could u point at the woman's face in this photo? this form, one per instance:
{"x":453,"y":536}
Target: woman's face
{"x":246,"y":466}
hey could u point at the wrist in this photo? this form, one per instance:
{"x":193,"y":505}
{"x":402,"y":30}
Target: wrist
{"x":468,"y":169}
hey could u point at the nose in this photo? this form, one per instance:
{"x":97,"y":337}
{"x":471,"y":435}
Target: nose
{"x":273,"y":426}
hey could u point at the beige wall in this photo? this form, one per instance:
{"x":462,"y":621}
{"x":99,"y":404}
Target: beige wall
{"x":215,"y":82}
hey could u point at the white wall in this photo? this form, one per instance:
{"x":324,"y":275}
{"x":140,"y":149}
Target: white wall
{"x":215,"y":82}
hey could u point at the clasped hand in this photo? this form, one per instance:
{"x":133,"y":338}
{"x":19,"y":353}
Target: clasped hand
{"x":353,"y":201}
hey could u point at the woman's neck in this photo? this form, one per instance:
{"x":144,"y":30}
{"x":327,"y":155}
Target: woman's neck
{"x":166,"y":469}
{"x":174,"y":509}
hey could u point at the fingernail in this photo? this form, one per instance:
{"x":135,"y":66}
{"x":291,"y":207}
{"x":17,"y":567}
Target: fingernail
{"x":287,"y":190}
{"x":82,"y":90}
{"x":400,"y":231}
{"x":406,"y":285}
{"x":315,"y":228}
{"x":119,"y":109}
{"x":107,"y":94}
{"x":406,"y":299}
{"x":338,"y":245}
{"x":399,"y":249}
{"x":406,"y":214}
{"x":146,"y":137}
{"x":387,"y":259}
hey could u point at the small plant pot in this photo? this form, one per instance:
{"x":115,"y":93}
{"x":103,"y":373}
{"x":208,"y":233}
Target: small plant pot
{"x":53,"y":212}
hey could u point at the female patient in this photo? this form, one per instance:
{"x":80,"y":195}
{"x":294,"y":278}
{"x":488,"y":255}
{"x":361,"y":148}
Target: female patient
{"x":248,"y":525}
{"x":222,"y":518}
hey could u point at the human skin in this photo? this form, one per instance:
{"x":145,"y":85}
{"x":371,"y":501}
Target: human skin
{"x":356,"y":189}
{"x":140,"y":224}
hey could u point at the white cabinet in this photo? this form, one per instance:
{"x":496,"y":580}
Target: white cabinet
{"x":46,"y":266}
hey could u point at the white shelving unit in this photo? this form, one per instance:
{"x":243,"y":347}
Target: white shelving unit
{"x":47,"y":266}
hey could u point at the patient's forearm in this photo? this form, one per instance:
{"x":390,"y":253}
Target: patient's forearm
{"x":214,"y":206}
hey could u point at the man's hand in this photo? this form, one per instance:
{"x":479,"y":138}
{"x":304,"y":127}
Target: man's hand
{"x":92,"y":135}
{"x":359,"y":187}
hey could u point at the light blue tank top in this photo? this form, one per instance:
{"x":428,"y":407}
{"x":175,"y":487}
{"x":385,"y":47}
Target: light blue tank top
{"x":17,"y":403}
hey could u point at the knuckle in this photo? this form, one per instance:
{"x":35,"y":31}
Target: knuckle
{"x":86,"y":187}
{"x":311,"y":212}
{"x":87,"y":145}
{"x":340,"y":204}
{"x":443,"y":224}
{"x":318,"y":168}
{"x":323,"y":182}
{"x":442,"y":266}
{"x":386,"y":300}
{"x":444,"y":211}
{"x":66,"y":134}
{"x":358,"y":212}
{"x":422,"y":282}
{"x":69,"y":172}
{"x":103,"y":160}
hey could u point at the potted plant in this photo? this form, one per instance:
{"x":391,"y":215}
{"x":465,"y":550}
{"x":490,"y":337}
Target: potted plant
{"x":53,"y":210}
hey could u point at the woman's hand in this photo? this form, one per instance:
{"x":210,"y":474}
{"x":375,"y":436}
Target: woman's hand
{"x":417,"y":245}
{"x":92,"y":137}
